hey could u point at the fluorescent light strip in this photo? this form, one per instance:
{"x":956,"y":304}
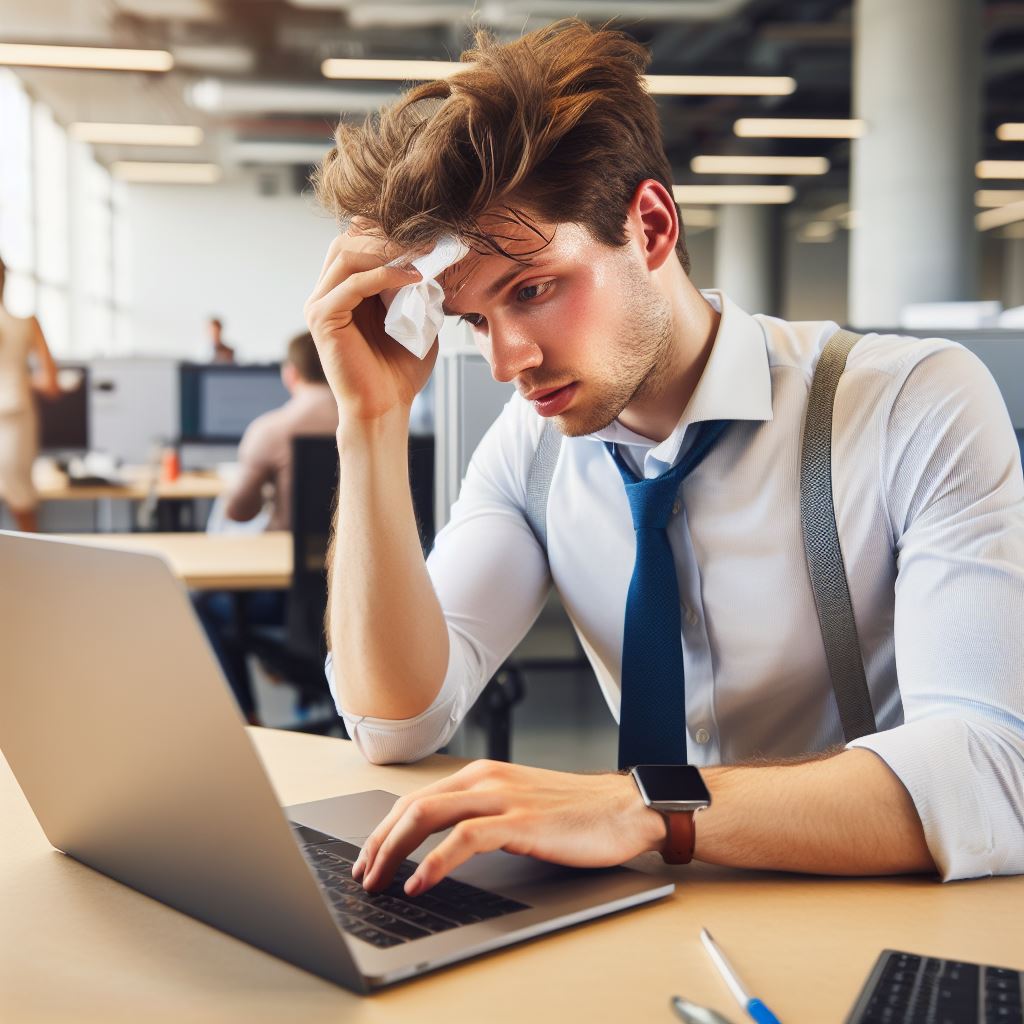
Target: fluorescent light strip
{"x":998,"y":196}
{"x":109,"y":134}
{"x":659,"y":85}
{"x":719,"y":85}
{"x":798,"y":128}
{"x":140,"y":172}
{"x":759,"y":165}
{"x":93,"y":58}
{"x":1011,"y":132}
{"x":999,"y":168}
{"x":996,"y":218}
{"x":388,"y":70}
{"x":726,"y":195}
{"x":699,"y":217}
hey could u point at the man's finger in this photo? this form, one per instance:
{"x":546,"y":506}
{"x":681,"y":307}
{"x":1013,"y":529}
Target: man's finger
{"x":421,"y":819}
{"x":467,"y":839}
{"x":346,"y":296}
{"x":346,"y":262}
{"x":463,"y":779}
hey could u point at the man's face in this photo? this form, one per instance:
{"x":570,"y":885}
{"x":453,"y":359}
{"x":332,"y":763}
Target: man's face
{"x":581,"y":329}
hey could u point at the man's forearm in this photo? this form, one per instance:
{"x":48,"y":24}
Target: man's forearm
{"x":847,"y":814}
{"x":388,"y":635}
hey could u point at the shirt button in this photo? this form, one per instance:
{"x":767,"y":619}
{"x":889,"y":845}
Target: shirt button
{"x":702,"y":735}
{"x":691,"y":617}
{"x":676,"y":507}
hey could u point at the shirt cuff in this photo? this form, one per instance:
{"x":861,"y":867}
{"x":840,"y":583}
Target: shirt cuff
{"x":937,"y":760}
{"x":401,"y":741}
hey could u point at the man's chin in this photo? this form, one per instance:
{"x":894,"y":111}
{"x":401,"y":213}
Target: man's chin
{"x":580,"y":422}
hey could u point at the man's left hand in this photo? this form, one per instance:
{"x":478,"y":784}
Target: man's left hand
{"x":586,"y":821}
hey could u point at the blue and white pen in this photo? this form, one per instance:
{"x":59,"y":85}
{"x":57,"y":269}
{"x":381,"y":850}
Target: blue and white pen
{"x":757,"y":1010}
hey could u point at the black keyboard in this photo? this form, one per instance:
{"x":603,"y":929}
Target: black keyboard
{"x":908,"y":989}
{"x":389,"y":917}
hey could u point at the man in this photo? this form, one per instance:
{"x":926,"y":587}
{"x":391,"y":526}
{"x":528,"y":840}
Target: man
{"x":545,"y":157}
{"x":220,"y":351}
{"x":265,"y":474}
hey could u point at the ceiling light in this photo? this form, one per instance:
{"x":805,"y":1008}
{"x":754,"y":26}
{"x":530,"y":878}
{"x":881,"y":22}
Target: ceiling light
{"x":798,"y":128}
{"x":996,"y":218}
{"x":388,"y":70}
{"x":759,"y":165}
{"x":999,"y":168}
{"x":93,"y":58}
{"x":725,"y":195}
{"x":998,"y":196}
{"x":817,"y":231}
{"x":104,"y":134}
{"x":1011,"y":132}
{"x":220,"y":96}
{"x":719,"y":85}
{"x":256,"y":152}
{"x":139,"y":172}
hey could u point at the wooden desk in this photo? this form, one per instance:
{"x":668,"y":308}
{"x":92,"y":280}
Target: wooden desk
{"x":76,"y":946}
{"x":53,"y":485}
{"x":211,"y":561}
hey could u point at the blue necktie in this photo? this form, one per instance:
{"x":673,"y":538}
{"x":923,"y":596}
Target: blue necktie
{"x":652,"y":716}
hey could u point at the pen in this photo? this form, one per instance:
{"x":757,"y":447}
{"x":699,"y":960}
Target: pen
{"x":757,"y":1010}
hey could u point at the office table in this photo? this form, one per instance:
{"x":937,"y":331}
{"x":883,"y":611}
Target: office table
{"x":138,"y":483}
{"x":211,"y":561}
{"x":76,"y":946}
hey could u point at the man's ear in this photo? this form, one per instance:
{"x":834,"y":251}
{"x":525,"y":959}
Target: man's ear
{"x":654,"y":220}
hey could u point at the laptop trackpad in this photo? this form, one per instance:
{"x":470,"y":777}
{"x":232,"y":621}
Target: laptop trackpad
{"x":354,"y":817}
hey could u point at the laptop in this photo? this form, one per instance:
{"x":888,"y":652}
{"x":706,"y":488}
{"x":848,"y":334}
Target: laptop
{"x":127,"y":743}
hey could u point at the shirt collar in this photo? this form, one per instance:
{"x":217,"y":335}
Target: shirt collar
{"x":736,"y":385}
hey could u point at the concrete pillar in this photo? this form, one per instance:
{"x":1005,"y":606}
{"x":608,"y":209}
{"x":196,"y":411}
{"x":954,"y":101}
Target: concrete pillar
{"x":1013,"y":272}
{"x":748,"y":256}
{"x":917,"y":84}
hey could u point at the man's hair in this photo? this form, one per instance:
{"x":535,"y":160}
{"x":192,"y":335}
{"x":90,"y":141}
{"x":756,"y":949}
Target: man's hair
{"x":3,"y":277}
{"x":216,"y":320}
{"x":557,"y":125}
{"x":302,"y":354}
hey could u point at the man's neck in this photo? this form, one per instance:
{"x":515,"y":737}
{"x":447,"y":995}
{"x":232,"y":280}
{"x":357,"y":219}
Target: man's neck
{"x":694,"y":328}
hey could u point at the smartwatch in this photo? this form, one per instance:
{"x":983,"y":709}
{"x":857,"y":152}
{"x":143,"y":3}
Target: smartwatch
{"x":676,"y":792}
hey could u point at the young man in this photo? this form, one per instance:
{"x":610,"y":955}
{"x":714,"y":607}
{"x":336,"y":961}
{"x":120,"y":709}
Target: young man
{"x":545,"y":157}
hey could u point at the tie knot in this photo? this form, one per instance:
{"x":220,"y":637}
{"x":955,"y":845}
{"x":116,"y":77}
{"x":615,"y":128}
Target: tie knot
{"x":651,"y":501}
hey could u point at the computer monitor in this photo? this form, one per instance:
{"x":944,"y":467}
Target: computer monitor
{"x":218,"y":402}
{"x":64,"y":420}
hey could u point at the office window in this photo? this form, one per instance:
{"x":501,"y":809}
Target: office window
{"x":16,"y":222}
{"x":50,"y":171}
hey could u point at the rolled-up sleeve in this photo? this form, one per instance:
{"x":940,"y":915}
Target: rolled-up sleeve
{"x":491,"y":578}
{"x":952,"y":471}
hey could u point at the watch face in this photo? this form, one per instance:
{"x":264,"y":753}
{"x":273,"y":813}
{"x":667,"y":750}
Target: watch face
{"x":672,"y":783}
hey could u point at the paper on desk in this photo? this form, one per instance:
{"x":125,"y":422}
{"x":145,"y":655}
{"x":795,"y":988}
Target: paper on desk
{"x":414,"y":314}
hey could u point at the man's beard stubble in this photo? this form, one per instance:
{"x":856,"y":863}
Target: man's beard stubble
{"x":637,"y":364}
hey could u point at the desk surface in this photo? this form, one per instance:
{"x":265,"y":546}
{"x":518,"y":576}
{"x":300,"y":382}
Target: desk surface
{"x":211,"y":561}
{"x":53,"y":485}
{"x":75,"y":945}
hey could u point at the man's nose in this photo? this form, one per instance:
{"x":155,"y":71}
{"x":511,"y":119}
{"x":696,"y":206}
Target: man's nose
{"x":511,"y":354}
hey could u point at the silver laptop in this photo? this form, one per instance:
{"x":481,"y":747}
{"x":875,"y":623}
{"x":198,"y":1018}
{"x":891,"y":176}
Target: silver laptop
{"x":127,"y":743}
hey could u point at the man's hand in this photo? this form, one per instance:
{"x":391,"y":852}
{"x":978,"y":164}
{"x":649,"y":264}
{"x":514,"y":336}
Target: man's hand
{"x":369,"y":373}
{"x":587,"y":821}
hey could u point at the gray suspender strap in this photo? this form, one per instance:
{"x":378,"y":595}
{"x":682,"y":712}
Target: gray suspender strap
{"x":538,"y":481}
{"x":821,"y":544}
{"x":821,"y":538}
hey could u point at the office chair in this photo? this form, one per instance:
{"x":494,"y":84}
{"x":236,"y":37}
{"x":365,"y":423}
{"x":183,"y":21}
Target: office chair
{"x":296,"y":655}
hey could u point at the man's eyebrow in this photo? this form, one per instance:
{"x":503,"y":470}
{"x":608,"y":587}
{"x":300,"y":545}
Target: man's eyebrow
{"x":501,"y":283}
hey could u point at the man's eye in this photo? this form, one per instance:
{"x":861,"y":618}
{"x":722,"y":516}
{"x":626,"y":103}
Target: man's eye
{"x":533,"y":291}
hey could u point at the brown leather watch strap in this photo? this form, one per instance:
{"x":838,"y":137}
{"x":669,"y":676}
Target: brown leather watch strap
{"x":681,"y":837}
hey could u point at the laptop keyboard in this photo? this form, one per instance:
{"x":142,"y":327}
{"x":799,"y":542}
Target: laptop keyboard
{"x":389,"y":917}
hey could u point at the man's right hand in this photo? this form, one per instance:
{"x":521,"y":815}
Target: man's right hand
{"x":369,"y":373}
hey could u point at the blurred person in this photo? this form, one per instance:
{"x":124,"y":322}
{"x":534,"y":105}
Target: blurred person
{"x":21,"y":338}
{"x":544,"y":157}
{"x":221,"y":352}
{"x":265,"y":476}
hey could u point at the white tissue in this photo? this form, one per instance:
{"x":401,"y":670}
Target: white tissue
{"x":414,"y":313}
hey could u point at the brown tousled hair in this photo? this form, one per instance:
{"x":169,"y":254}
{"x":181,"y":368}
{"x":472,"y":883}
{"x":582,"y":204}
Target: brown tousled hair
{"x":302,"y":354}
{"x":556,"y":125}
